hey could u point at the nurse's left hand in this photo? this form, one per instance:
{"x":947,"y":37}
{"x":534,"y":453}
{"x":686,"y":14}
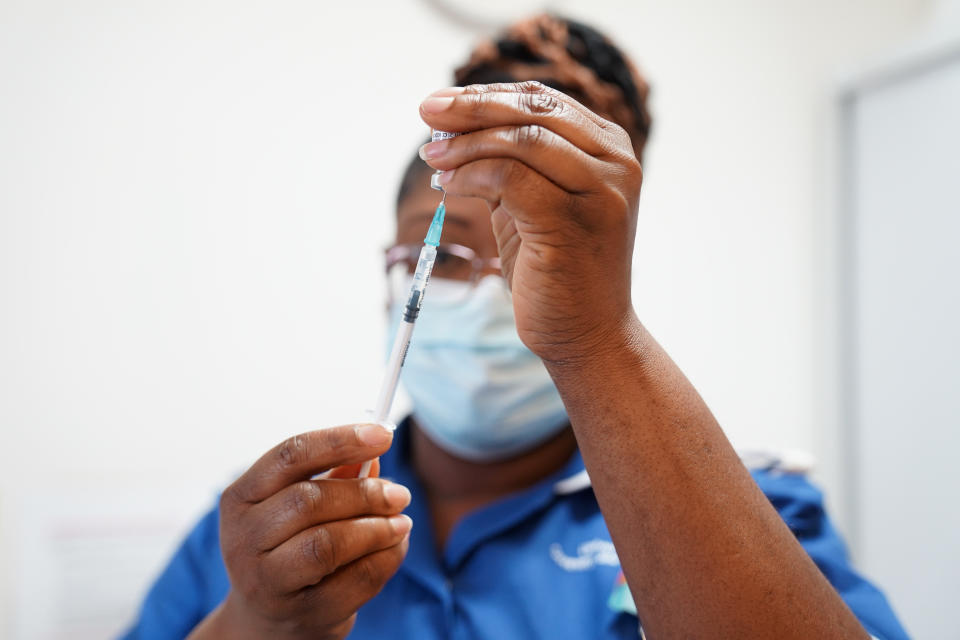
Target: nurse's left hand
{"x":563,"y":186}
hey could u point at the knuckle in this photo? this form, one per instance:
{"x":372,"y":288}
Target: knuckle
{"x":261,"y":540}
{"x":480,"y":103}
{"x":231,"y":536}
{"x":305,"y":498}
{"x":529,"y":135}
{"x":616,"y":130}
{"x":292,"y":451}
{"x":629,"y":174}
{"x":541,"y":103}
{"x":236,"y":495}
{"x":345,"y":627}
{"x":319,"y":548}
{"x":474,"y":89}
{"x":370,"y":573}
{"x":339,"y":439}
{"x":621,"y":139}
{"x":621,"y":205}
{"x":229,"y":497}
{"x":635,"y":170}
{"x":372,"y":492}
{"x":532,"y":86}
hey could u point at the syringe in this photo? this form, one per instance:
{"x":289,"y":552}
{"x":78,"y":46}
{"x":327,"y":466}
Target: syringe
{"x":428,"y":254}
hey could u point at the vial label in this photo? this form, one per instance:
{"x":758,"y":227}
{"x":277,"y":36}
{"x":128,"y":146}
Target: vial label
{"x":442,"y":135}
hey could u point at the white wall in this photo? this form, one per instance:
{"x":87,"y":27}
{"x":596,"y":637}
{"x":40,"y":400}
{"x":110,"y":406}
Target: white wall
{"x":182,"y":182}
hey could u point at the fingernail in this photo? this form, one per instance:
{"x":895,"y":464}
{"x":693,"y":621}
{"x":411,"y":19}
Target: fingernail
{"x":448,"y":91}
{"x":401,"y":524}
{"x":373,"y":435}
{"x":433,"y":150}
{"x":445,"y":177}
{"x":436,"y":105}
{"x":396,"y":494}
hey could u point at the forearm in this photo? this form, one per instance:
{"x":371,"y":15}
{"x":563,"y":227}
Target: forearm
{"x":704,"y":552}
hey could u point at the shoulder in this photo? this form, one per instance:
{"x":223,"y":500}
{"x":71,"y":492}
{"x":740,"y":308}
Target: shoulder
{"x":800,"y":503}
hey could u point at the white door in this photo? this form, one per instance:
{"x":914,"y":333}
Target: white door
{"x":902,"y":316}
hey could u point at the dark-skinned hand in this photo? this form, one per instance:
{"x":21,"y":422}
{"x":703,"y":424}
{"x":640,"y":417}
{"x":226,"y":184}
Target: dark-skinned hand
{"x":563,"y":186}
{"x":304,"y":554}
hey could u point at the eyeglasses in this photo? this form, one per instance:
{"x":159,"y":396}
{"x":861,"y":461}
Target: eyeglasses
{"x":454,"y":262}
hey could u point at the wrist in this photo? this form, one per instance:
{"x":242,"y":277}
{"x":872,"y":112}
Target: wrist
{"x":621,"y":339}
{"x":230,"y":620}
{"x":610,"y":370}
{"x":234,"y":619}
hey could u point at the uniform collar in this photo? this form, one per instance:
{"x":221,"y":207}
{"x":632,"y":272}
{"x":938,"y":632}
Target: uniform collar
{"x":425,"y":561}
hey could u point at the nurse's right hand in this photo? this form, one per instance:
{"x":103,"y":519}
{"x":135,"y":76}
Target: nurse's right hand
{"x":303,"y":555}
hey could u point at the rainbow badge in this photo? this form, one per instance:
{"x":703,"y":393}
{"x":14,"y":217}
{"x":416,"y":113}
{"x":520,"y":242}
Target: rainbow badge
{"x":620,"y":598}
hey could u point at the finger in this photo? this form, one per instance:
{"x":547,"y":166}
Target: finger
{"x":486,"y":106}
{"x":308,"y":503}
{"x":539,"y":148}
{"x":534,"y":90}
{"x":302,"y":457}
{"x":314,"y":554}
{"x":534,"y":86}
{"x":527,"y":195}
{"x":350,"y":587}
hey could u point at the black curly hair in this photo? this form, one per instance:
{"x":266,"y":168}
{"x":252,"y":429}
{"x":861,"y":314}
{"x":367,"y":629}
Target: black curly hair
{"x":568,"y":56}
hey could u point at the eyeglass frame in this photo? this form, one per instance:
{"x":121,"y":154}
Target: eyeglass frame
{"x":411,"y":251}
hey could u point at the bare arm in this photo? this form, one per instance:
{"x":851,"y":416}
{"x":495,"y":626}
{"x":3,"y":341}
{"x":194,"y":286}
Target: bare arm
{"x":704,"y":553}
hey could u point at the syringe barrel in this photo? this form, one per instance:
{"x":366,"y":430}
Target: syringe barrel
{"x":421,"y":276}
{"x":428,"y":255}
{"x":388,"y":387}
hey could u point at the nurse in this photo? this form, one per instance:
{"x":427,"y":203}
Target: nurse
{"x":559,"y":476}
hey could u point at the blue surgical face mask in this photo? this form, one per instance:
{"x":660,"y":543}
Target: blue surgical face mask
{"x":477,"y":390}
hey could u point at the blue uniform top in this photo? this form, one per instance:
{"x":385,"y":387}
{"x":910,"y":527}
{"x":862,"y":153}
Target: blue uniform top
{"x":537,"y":564}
